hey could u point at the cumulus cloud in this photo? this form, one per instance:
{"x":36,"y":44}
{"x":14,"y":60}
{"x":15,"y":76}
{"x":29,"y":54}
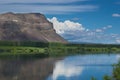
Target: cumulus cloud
{"x":116,"y":15}
{"x":67,"y":25}
{"x":78,"y":33}
{"x":75,"y":32}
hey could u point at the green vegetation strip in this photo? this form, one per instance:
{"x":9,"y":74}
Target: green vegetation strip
{"x":54,"y":49}
{"x":21,"y":50}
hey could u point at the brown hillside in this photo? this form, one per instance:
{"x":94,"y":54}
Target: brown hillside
{"x":28,"y":26}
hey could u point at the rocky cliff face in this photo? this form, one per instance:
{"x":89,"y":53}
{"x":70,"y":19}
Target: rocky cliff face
{"x":28,"y":26}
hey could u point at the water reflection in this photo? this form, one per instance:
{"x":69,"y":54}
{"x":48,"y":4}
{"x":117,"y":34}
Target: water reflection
{"x":118,"y":56}
{"x":79,"y":67}
{"x":67,"y":70}
{"x":19,"y":69}
{"x":83,"y":67}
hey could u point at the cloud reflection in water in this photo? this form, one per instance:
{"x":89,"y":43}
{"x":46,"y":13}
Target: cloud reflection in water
{"x":67,"y":70}
{"x":81,"y":65}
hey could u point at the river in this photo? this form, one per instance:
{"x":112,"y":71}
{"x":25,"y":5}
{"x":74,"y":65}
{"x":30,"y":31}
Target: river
{"x":77,"y":67}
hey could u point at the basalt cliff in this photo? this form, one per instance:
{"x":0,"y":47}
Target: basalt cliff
{"x":27,"y":27}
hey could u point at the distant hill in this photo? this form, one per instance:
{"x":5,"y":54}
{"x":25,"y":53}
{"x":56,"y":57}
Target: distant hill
{"x":27,"y":27}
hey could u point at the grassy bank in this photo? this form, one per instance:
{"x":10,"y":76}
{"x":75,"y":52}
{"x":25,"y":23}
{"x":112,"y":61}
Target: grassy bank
{"x":53,"y":49}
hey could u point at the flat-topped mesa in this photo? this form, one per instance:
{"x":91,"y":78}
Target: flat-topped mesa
{"x":27,"y":27}
{"x":28,"y":18}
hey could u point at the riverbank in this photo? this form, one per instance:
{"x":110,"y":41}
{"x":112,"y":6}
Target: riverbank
{"x":10,"y":48}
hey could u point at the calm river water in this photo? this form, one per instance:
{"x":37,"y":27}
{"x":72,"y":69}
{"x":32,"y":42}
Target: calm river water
{"x":77,"y":67}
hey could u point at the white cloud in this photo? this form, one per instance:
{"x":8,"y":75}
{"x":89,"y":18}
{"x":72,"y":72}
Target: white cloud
{"x":75,"y":32}
{"x":48,"y":9}
{"x":116,"y":15}
{"x":109,"y":26}
{"x":75,"y":19}
{"x":45,"y":6}
{"x":39,"y":1}
{"x":118,"y":40}
{"x":62,"y":69}
{"x":67,"y":25}
{"x":104,"y":28}
{"x":99,"y":30}
{"x":114,"y":35}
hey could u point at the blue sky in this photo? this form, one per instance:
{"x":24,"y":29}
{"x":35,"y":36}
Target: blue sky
{"x":96,"y":21}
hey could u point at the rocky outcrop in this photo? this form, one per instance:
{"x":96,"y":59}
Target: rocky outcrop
{"x":27,"y":27}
